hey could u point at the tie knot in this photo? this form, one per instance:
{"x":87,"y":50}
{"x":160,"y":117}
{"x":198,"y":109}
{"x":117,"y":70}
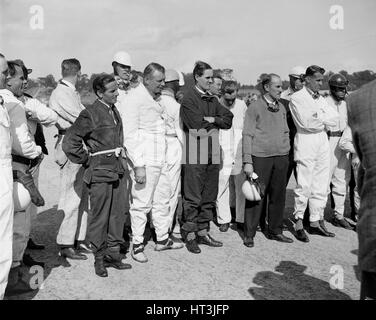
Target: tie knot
{"x":316,"y":95}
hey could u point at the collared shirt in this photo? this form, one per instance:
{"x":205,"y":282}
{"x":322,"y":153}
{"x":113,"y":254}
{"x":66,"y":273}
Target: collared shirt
{"x":66,"y":102}
{"x":144,"y":127}
{"x":275,"y":102}
{"x":202,"y":92}
{"x":23,"y":143}
{"x":110,"y":110}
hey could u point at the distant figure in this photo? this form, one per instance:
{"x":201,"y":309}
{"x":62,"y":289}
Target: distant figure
{"x":215,"y":87}
{"x":362,"y":120}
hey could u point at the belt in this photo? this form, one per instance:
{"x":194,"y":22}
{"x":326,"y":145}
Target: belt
{"x":20,"y":159}
{"x":334,"y":133}
{"x":62,"y":131}
{"x":173,"y":135}
{"x":117,"y":152}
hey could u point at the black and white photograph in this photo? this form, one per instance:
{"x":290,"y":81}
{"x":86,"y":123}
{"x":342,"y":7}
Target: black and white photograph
{"x":189,"y":154}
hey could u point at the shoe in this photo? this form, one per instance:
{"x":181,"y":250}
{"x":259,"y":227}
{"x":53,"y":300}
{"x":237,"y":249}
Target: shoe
{"x":72,"y":254}
{"x":16,"y":285}
{"x":34,"y":246}
{"x":320,"y":231}
{"x":117,"y":264}
{"x":100,"y":269}
{"x":170,"y":244}
{"x":322,"y":225}
{"x":342,"y":223}
{"x":301,"y":235}
{"x":224,"y":227}
{"x":248,"y":242}
{"x":192,"y":246}
{"x":138,"y":254}
{"x":29,"y":261}
{"x":280,"y":238}
{"x":83,"y":247}
{"x":209,"y":241}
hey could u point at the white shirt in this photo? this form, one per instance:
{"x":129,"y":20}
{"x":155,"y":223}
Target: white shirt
{"x":287,"y":94}
{"x":144,"y":128}
{"x":23,"y":143}
{"x":172,"y":109}
{"x":231,"y":139}
{"x":66,"y":102}
{"x":341,"y":108}
{"x":311,"y":115}
{"x":5,"y":137}
{"x":38,"y":112}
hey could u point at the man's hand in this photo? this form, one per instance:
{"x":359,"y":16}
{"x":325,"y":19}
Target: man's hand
{"x":209,"y":119}
{"x":140,"y":175}
{"x":248,"y":169}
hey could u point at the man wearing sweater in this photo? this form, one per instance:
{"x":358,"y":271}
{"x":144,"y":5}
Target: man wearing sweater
{"x":265,"y":151}
{"x":202,"y":116}
{"x":66,"y":102}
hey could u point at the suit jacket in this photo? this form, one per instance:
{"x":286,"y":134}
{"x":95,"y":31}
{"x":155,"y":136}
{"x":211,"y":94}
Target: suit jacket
{"x":362,"y":119}
{"x":96,"y":128}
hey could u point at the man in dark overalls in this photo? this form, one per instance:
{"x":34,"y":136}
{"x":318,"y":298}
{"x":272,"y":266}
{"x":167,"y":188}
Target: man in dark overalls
{"x":99,"y":128}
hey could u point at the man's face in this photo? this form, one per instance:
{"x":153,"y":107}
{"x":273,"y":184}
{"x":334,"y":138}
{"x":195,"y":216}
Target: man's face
{"x":339,"y":92}
{"x":123,"y":71}
{"x":215,"y":87}
{"x":155,"y":82}
{"x":204,"y":81}
{"x":315,"y":82}
{"x":229,"y":95}
{"x":3,"y":72}
{"x":274,"y":88}
{"x":296,"y":83}
{"x":16,"y":83}
{"x":109,"y":96}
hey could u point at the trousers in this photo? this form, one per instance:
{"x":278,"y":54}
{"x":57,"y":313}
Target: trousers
{"x":6,"y":223}
{"x":152,"y":196}
{"x":72,"y":191}
{"x":108,"y":208}
{"x":200,"y":190}
{"x":272,"y":172}
{"x":339,"y":176}
{"x":312,"y":156}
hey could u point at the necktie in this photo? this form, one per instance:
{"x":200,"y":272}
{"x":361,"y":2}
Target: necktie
{"x":316,"y":95}
{"x":111,"y":111}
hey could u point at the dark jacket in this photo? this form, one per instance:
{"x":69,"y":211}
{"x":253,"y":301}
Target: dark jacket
{"x":96,"y":128}
{"x":195,"y":106}
{"x":362,"y":120}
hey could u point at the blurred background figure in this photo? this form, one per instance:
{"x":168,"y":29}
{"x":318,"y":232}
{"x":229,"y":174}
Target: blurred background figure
{"x":252,"y":96}
{"x":296,"y":77}
{"x":361,"y":107}
{"x":215,"y":87}
{"x":122,"y":65}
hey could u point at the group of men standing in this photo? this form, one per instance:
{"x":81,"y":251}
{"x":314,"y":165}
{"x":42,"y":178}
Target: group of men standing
{"x":127,"y":159}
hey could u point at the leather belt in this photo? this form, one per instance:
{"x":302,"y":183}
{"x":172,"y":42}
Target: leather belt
{"x":20,"y":159}
{"x":62,"y":132}
{"x":334,"y":133}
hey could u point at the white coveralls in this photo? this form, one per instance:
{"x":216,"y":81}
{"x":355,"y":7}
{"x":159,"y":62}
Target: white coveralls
{"x":346,"y":144}
{"x":23,"y":145}
{"x":6,"y":198}
{"x":340,"y":165}
{"x":144,"y":128}
{"x":231,"y":144}
{"x":174,"y":140}
{"x":311,"y":152}
{"x":36,"y":111}
{"x":66,"y":102}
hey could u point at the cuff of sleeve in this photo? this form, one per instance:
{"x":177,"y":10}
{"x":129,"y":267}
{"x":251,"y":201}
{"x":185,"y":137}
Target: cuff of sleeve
{"x":218,"y":121}
{"x":247,"y":158}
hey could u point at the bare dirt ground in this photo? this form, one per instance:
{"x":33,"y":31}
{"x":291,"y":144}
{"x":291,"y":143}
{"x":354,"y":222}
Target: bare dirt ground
{"x":270,"y":270}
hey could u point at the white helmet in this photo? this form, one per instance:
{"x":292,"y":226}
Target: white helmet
{"x":252,"y":191}
{"x":123,"y":57}
{"x":297,"y":71}
{"x":181,"y":79}
{"x":21,"y":197}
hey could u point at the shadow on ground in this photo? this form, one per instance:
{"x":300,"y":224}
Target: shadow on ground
{"x":290,"y":281}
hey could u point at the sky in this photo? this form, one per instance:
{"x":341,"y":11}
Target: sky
{"x":249,"y":36}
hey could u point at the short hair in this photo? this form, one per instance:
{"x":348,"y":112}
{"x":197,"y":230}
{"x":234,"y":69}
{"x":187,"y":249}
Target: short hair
{"x":70,"y":67}
{"x":229,"y":83}
{"x":100,"y":82}
{"x":200,"y":68}
{"x":311,"y":70}
{"x":217,"y":74}
{"x":12,"y":68}
{"x":151,"y":68}
{"x":267,"y":79}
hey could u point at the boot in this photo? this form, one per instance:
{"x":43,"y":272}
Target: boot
{"x":100,"y":269}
